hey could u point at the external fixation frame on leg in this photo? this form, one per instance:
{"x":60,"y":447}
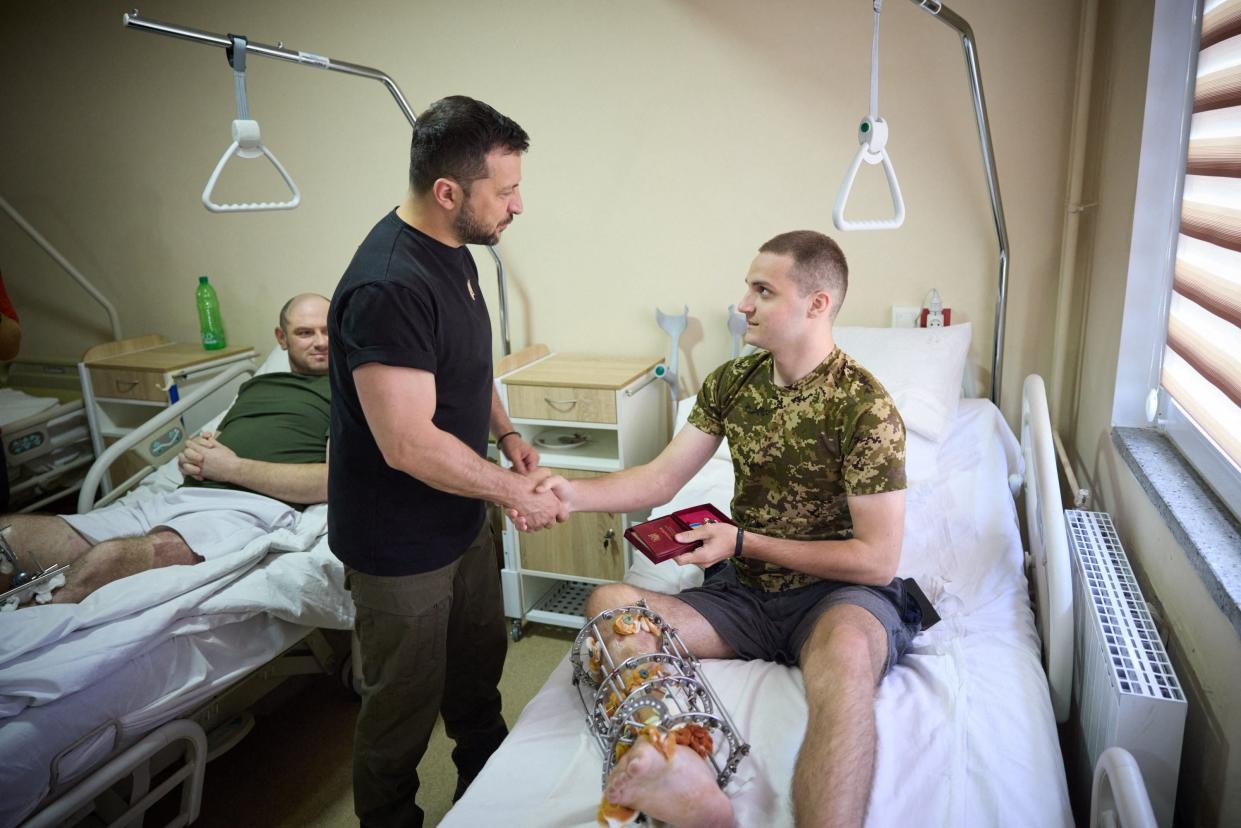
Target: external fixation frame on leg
{"x":664,"y":690}
{"x":25,"y":584}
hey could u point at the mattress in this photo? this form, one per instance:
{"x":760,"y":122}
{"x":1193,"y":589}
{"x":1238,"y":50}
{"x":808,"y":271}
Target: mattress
{"x":94,"y":677}
{"x":966,"y":733}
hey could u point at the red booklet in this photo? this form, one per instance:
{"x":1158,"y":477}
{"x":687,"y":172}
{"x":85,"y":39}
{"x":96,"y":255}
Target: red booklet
{"x":657,"y":538}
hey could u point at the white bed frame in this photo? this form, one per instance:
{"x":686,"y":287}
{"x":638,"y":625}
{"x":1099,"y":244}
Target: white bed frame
{"x":1047,"y":561}
{"x":30,"y":439}
{"x":118,"y":790}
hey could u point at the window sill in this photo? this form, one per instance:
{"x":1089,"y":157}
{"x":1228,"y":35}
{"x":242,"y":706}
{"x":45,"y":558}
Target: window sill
{"x":1201,"y":524}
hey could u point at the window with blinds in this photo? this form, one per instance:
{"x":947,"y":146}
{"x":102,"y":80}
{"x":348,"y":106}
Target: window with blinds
{"x":1202,"y":358}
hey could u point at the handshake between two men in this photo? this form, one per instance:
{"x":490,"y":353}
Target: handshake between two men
{"x":530,"y":504}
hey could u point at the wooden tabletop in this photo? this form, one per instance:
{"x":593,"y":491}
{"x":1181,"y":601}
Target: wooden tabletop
{"x":171,"y":356}
{"x":583,"y":371}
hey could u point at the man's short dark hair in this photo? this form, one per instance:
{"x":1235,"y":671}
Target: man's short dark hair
{"x":818,"y":263}
{"x":452,"y":138}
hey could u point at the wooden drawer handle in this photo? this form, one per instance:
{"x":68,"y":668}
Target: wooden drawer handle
{"x":557,"y":403}
{"x":123,"y":386}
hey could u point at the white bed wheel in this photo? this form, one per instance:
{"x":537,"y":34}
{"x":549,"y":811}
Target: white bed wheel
{"x":515,"y":630}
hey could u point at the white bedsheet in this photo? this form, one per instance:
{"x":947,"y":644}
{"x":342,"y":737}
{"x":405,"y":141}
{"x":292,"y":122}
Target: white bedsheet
{"x":966,"y":735}
{"x":50,"y":651}
{"x":18,"y":405}
{"x":148,"y":648}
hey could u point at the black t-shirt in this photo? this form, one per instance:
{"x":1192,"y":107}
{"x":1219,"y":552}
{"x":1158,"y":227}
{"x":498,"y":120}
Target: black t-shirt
{"x":409,"y":301}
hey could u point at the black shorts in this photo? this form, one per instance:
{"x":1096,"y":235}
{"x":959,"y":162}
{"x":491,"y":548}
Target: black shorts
{"x":774,"y":626}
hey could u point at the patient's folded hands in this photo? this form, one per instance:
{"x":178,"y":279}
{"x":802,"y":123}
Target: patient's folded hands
{"x":205,"y":458}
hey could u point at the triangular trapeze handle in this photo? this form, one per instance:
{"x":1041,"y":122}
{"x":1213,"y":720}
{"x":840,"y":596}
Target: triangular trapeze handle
{"x":248,"y":144}
{"x":872,"y":136}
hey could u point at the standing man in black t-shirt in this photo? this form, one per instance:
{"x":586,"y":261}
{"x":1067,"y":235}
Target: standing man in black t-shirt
{"x":413,"y":400}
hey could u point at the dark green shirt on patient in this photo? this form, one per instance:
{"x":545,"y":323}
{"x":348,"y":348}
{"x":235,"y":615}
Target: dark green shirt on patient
{"x":277,"y":418}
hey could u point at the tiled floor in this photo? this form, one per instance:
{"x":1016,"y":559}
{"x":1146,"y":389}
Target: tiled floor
{"x":293,"y":769}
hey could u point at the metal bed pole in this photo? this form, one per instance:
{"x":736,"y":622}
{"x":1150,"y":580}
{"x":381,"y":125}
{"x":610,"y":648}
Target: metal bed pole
{"x":279,"y":52}
{"x":954,"y":21}
{"x":114,"y":319}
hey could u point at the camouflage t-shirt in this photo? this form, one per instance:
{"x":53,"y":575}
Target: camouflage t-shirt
{"x":799,"y":452}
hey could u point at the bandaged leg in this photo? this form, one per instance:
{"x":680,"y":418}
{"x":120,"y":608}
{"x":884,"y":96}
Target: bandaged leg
{"x":669,"y":747}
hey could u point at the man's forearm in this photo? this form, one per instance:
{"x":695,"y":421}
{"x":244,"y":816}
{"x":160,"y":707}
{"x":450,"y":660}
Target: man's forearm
{"x":853,"y":561}
{"x":440,"y":460}
{"x":290,"y":482}
{"x":631,"y":490}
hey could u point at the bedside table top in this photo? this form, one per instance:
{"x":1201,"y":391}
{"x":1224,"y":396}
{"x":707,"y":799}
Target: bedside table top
{"x":170,"y":356}
{"x":577,"y":371}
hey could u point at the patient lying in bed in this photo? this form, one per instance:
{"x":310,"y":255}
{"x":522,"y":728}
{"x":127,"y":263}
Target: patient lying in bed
{"x":248,"y":479}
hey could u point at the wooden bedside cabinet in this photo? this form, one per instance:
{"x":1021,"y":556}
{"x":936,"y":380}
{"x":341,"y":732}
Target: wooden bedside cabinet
{"x":587,"y":416}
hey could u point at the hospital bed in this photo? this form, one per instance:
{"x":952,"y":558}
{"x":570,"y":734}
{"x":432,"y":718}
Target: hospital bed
{"x":966,"y":720}
{"x":154,"y":673}
{"x":47,"y":448}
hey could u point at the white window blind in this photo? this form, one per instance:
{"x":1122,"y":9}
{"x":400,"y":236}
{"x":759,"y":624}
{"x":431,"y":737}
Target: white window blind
{"x":1202,"y":358}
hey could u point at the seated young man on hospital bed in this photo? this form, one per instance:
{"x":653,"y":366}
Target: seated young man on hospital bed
{"x":267,"y":461}
{"x":807,"y":576}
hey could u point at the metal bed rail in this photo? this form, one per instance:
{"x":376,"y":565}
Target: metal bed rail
{"x":1048,"y":558}
{"x":135,"y":762}
{"x":156,"y":440}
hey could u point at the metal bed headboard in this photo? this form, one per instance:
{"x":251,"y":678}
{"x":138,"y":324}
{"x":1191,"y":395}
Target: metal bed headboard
{"x":132,"y":20}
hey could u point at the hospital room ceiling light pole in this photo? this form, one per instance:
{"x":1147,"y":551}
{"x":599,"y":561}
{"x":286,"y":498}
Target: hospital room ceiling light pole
{"x":957,"y":23}
{"x":132,"y":20}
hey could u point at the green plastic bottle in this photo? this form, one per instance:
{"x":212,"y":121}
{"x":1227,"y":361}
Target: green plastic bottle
{"x":209,"y":319}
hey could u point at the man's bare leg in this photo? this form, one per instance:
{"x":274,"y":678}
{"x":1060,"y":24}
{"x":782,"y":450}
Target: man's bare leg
{"x":119,"y":558}
{"x":842,"y":663}
{"x":50,"y":538}
{"x":681,"y":790}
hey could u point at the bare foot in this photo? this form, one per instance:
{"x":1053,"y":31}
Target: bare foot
{"x":680,"y":790}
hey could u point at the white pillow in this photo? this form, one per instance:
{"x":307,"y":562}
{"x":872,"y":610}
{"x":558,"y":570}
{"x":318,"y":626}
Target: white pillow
{"x":277,"y":362}
{"x":921,"y":368}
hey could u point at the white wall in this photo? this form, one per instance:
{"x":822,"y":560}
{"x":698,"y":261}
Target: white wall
{"x":669,"y":140}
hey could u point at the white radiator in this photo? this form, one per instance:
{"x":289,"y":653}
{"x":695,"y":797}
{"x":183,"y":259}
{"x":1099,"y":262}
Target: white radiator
{"x":1124,"y":688}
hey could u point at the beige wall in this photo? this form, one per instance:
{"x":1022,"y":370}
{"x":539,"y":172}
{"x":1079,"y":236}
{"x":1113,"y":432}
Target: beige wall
{"x":670,"y":139}
{"x":1203,"y":645}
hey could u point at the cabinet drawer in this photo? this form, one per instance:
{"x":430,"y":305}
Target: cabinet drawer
{"x":553,"y":402}
{"x":122,"y":384}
